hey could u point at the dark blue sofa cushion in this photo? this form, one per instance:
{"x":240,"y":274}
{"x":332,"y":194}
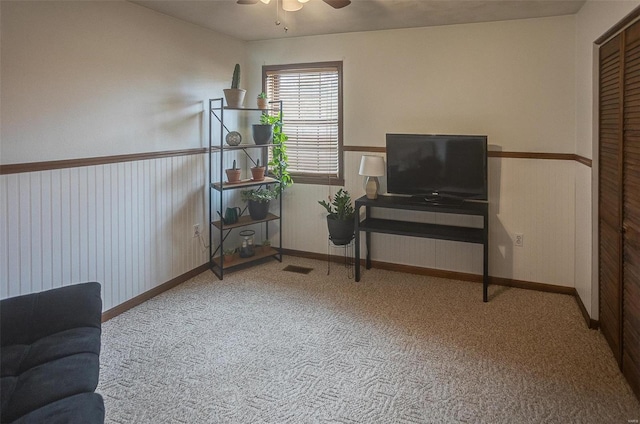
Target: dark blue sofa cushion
{"x":49,"y":355}
{"x":82,"y":408}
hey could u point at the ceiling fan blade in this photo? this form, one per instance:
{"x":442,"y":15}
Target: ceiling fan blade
{"x":338,"y":4}
{"x":247,"y":1}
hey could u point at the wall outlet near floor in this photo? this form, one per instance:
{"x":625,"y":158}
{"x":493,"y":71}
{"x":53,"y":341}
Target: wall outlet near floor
{"x":518,"y":240}
{"x":196,"y":230}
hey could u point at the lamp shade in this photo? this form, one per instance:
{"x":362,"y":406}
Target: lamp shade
{"x":372,"y":166}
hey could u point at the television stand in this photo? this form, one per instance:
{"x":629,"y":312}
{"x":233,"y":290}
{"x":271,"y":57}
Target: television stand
{"x":439,"y":200}
{"x":417,"y":229}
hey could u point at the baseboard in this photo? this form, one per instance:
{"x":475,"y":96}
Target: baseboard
{"x":530,"y":285}
{"x":591,"y":323}
{"x":454,"y":275}
{"x":409,"y":269}
{"x":143,"y":297}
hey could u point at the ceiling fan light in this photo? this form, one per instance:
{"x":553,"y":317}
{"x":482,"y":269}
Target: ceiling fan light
{"x":291,"y":5}
{"x":265,"y":1}
{"x":303,"y":1}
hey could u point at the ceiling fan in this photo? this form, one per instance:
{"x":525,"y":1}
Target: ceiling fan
{"x":293,"y":5}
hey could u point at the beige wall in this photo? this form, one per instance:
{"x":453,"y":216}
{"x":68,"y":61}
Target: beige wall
{"x":83,"y":79}
{"x":102,"y":78}
{"x":513,"y":81}
{"x":593,"y":20}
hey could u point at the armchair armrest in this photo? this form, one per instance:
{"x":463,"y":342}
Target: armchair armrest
{"x":24,"y":319}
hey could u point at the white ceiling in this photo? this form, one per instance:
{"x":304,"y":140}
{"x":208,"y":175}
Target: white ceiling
{"x":257,"y":21}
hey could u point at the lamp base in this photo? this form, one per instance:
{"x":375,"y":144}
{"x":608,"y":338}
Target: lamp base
{"x":371,"y":188}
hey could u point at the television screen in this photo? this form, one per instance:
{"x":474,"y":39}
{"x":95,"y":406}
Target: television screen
{"x":437,"y":166}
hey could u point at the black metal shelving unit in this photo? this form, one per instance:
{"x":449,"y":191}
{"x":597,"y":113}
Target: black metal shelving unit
{"x":218,"y":186}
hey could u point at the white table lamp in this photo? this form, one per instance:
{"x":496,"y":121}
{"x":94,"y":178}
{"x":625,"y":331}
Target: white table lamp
{"x":372,"y":167}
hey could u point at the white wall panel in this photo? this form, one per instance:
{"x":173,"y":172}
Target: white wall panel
{"x":529,"y":196}
{"x":583,"y":239}
{"x":127,"y":225}
{"x":535,"y":198}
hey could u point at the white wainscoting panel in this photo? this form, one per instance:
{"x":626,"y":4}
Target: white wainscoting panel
{"x":126,"y":225}
{"x":530,"y":196}
{"x":584,"y":240}
{"x":537,"y":199}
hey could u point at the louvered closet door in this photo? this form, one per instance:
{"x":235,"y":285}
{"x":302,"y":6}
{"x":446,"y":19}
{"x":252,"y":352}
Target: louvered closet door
{"x":631,"y":210}
{"x":610,"y":180}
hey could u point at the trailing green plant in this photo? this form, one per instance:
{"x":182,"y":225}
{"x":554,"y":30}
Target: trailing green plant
{"x":262,"y":95}
{"x":279,"y":160}
{"x":340,"y":207}
{"x":235,"y":80}
{"x":229,"y":251}
{"x":259,"y":194}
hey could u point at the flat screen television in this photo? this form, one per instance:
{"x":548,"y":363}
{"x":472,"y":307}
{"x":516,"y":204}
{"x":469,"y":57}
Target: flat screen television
{"x":437,"y":167}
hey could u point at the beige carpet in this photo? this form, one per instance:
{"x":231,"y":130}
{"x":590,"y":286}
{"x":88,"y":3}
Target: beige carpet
{"x":269,"y":346}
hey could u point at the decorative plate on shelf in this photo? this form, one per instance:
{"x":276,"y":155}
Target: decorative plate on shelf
{"x":233,"y":138}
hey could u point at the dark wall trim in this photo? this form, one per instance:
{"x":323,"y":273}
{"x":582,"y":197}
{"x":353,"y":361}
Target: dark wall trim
{"x":625,"y":22}
{"x":364,"y":149}
{"x":494,"y":154}
{"x":99,"y":160}
{"x":18,"y":168}
{"x":584,"y":161}
{"x":141,"y":298}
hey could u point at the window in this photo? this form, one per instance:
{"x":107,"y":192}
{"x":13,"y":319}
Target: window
{"x":311,"y":94}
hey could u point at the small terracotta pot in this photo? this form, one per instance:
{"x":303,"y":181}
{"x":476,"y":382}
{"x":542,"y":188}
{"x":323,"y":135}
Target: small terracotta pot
{"x":257,"y":173}
{"x":233,"y":175}
{"x":263,"y":103}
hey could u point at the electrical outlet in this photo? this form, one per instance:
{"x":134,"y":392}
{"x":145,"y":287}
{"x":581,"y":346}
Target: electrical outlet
{"x":196,"y":230}
{"x":519,"y":240}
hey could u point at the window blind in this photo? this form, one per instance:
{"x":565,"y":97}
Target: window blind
{"x":310,"y":113}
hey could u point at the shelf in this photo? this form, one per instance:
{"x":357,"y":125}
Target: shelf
{"x":254,"y":109}
{"x":417,"y":229}
{"x":241,"y":147}
{"x":243,"y":183}
{"x":219,"y":186}
{"x":261,"y":253}
{"x":408,"y":203}
{"x":244,"y":221}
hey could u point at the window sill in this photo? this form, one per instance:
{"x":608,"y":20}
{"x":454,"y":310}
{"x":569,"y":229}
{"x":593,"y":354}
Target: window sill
{"x":307,"y":179}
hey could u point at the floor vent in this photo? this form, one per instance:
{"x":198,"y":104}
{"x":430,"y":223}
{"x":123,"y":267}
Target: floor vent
{"x":298,"y":269}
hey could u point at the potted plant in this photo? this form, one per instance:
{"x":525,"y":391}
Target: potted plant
{"x":258,"y":200}
{"x":263,"y":102}
{"x":229,"y":255}
{"x":340,"y":221}
{"x":257,"y":172}
{"x":266,"y":244}
{"x":262,"y":132}
{"x":235,"y":95}
{"x":233,"y":174}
